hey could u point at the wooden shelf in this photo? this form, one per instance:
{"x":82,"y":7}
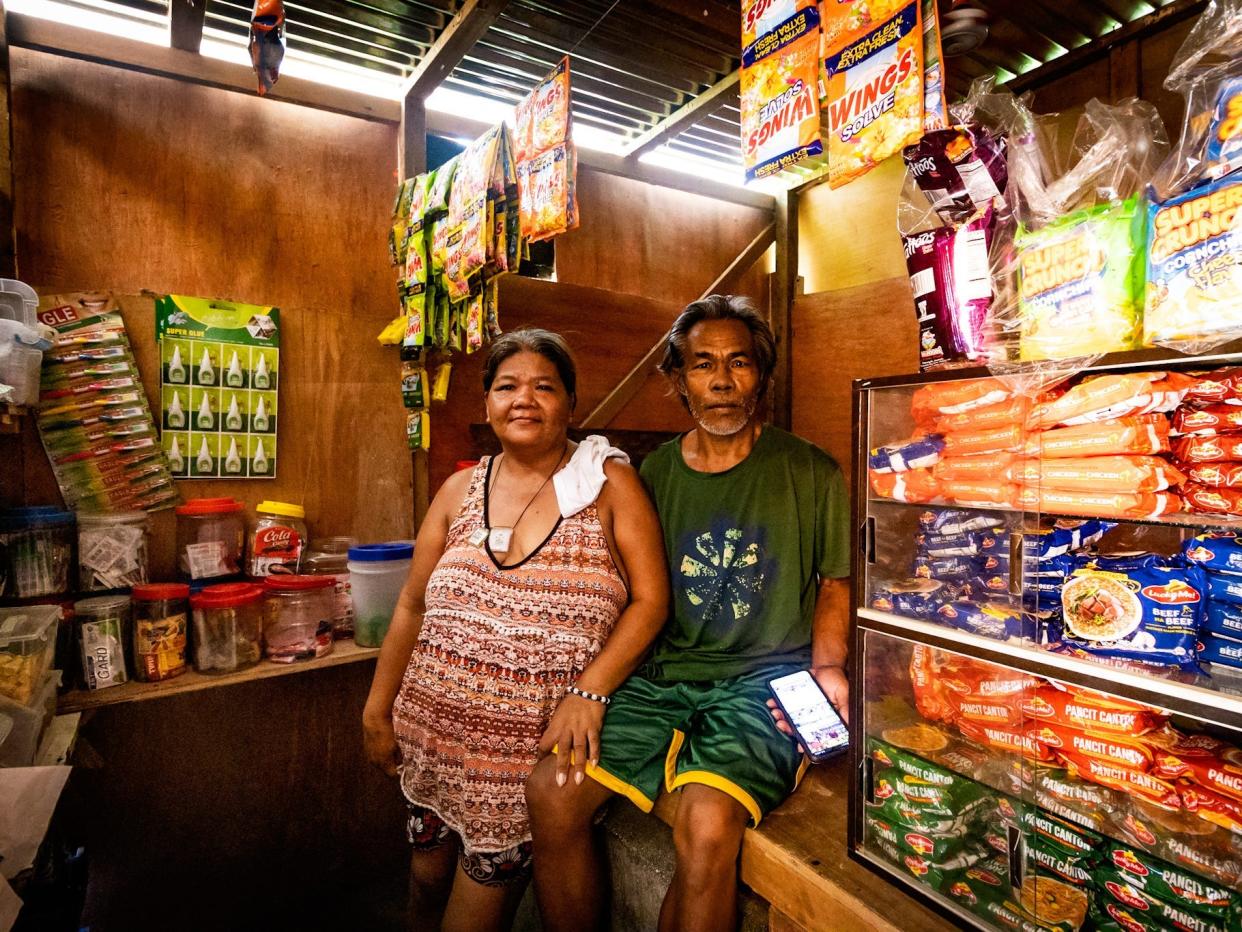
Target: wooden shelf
{"x":80,"y":700}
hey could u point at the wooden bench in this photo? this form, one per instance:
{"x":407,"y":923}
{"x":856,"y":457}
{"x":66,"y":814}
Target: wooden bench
{"x":796,"y":860}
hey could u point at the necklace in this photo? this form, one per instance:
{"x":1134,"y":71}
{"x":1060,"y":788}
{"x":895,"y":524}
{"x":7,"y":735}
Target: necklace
{"x":500,"y":539}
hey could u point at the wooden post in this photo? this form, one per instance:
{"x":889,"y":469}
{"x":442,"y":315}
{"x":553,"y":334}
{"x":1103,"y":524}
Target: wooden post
{"x":411,"y":161}
{"x":784,"y":288}
{"x":185,"y":24}
{"x":8,"y":228}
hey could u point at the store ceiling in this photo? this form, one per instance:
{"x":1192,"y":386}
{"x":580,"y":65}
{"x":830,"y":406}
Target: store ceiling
{"x":635,"y":62}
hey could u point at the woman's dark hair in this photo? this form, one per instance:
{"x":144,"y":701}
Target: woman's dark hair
{"x":721,"y":307}
{"x":551,"y":346}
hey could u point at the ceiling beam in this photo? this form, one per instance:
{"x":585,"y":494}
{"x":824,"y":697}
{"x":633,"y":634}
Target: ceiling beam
{"x":685,"y":116}
{"x":43,"y":35}
{"x":473,"y":19}
{"x":185,"y":24}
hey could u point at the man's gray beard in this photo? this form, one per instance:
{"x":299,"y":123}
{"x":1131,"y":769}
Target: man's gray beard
{"x":723,"y":428}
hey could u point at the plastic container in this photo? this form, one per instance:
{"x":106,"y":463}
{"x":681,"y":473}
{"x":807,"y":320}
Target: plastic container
{"x":211,"y":533}
{"x":102,"y":630}
{"x":112,"y":549}
{"x":27,"y":645}
{"x":329,"y":556}
{"x":37,"y":548}
{"x":21,"y":356}
{"x":161,"y":631}
{"x":376,"y":573}
{"x":297,"y":617}
{"x":25,"y":723}
{"x":275,"y":542}
{"x":228,"y":627}
{"x":28,"y":296}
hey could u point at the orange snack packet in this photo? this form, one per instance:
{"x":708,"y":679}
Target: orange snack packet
{"x":1099,"y":473}
{"x":780,"y":100}
{"x":1110,"y":748}
{"x":981,"y":493}
{"x":1092,"y":395}
{"x":1089,"y":714}
{"x":1099,"y":504}
{"x":974,"y":467}
{"x":913,"y":485}
{"x":943,"y":398}
{"x":1119,"y":777}
{"x":1010,"y":411}
{"x":1225,"y":811}
{"x":989,"y":440}
{"x":1141,"y":433}
{"x":1010,"y":740}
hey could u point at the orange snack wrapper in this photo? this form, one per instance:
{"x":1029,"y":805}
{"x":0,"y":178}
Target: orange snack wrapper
{"x":1086,"y":712}
{"x":780,"y":99}
{"x":1214,"y":807}
{"x":989,"y":440}
{"x":1217,"y":475}
{"x":1220,"y":448}
{"x":913,"y":485}
{"x":1140,"y":433}
{"x":761,"y":17}
{"x":981,"y":493}
{"x":1099,"y":504}
{"x":847,"y":21}
{"x":1099,"y":473}
{"x":944,"y":398}
{"x":929,"y":696}
{"x":875,"y":95}
{"x":1092,"y":395}
{"x":1110,"y":748}
{"x":985,"y":710}
{"x":1119,"y":777}
{"x":1009,"y":740}
{"x":1213,"y":501}
{"x":974,"y":467}
{"x":1010,"y":411}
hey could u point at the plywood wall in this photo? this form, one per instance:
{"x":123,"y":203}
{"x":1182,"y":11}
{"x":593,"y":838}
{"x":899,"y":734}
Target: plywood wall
{"x":129,"y":182}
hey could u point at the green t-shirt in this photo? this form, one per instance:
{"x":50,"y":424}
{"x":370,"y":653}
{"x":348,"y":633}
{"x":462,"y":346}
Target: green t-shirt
{"x":746,"y":549}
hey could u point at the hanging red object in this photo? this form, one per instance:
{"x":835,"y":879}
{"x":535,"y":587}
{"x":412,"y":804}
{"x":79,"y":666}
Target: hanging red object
{"x":266,"y":50}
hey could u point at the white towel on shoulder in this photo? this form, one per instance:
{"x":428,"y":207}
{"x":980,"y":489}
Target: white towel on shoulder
{"x":579,"y":483}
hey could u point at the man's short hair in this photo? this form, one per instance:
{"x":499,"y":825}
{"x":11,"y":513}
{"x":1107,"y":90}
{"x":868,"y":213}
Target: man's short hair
{"x":721,"y":307}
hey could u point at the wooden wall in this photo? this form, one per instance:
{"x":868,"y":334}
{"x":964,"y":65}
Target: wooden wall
{"x":130,"y":182}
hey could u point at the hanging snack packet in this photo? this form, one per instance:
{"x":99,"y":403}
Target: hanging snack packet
{"x":1194,"y":267}
{"x":762,"y":17}
{"x":847,"y":21}
{"x":413,"y":386}
{"x":875,"y":96}
{"x":960,"y":169}
{"x":544,"y":122}
{"x":418,"y":430}
{"x":780,"y":97}
{"x":543,"y":185}
{"x":400,"y":217}
{"x":1080,"y":283}
{"x":935,"y":104}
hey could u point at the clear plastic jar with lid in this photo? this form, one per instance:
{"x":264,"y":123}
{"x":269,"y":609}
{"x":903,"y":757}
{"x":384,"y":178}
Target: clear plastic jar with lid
{"x":228,"y":627}
{"x":297,"y":622}
{"x":112,"y":549}
{"x":329,"y":556}
{"x":101,"y":630}
{"x":377,"y":572}
{"x":276,"y":541}
{"x":36,"y":551}
{"x":211,"y":533}
{"x":160,"y":630}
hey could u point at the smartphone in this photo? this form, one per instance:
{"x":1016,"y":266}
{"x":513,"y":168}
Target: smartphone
{"x":817,"y":724}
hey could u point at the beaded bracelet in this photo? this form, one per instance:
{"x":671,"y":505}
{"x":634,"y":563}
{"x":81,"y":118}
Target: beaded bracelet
{"x":594,"y":697}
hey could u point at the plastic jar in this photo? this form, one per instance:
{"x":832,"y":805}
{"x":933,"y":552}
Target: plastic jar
{"x":376,"y":573}
{"x":36,"y":551}
{"x":160,"y":630}
{"x":228,"y":626}
{"x":210,"y":535}
{"x":329,"y":556}
{"x":276,"y":540}
{"x":112,"y":549}
{"x":297,"y":623}
{"x":101,"y":629}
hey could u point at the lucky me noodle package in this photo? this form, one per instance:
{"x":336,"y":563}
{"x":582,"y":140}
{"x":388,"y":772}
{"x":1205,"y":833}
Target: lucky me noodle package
{"x":780,"y":97}
{"x":875,"y":95}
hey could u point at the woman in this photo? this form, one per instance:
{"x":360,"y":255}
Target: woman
{"x":538,"y":583}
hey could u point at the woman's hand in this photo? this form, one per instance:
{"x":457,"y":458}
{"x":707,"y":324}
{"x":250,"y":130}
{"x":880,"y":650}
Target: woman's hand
{"x":574,"y":732}
{"x":381,"y":742}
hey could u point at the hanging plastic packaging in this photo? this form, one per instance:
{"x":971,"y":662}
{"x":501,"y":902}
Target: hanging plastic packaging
{"x":780,"y":97}
{"x":266,"y":51}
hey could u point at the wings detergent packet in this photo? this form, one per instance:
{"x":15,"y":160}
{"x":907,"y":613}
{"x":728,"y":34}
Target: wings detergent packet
{"x":780,"y":97}
{"x":875,"y":96}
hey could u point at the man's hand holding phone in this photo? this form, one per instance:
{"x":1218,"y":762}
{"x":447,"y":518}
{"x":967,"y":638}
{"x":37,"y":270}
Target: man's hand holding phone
{"x":815,"y":718}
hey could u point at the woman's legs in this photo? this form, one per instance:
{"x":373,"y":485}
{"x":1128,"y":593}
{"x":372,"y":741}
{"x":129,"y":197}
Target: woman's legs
{"x":482,"y":907}
{"x":431,"y":880}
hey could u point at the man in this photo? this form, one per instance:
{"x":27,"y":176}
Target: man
{"x":755,"y":528}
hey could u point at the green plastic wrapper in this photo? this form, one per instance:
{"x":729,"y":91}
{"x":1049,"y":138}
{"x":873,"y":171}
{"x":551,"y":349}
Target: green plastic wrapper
{"x":940,"y":850}
{"x":1122,"y":902}
{"x":1080,"y":283}
{"x":1172,"y":884}
{"x":896,"y":809}
{"x":1051,"y":832}
{"x":923,"y":870}
{"x":932,"y":790}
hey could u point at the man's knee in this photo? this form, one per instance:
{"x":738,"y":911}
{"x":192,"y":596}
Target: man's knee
{"x":554,"y":808}
{"x":708,"y":831}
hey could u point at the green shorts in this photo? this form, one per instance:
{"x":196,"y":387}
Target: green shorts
{"x":719,"y":734}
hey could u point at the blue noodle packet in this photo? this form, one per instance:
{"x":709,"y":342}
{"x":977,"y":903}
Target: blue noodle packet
{"x":1215,"y":550}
